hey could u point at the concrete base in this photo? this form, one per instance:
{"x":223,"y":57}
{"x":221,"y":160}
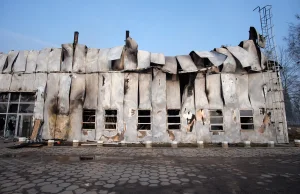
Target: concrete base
{"x":123,"y":144}
{"x":297,"y":142}
{"x":225,"y":144}
{"x":99,"y":143}
{"x":174,"y":144}
{"x":247,"y":144}
{"x":148,"y":144}
{"x":22,"y":140}
{"x":200,"y":144}
{"x":50,"y":143}
{"x":75,"y":143}
{"x":271,"y":144}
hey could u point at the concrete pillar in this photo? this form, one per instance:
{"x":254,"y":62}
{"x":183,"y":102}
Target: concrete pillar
{"x":247,"y":144}
{"x":200,"y":144}
{"x":99,"y":143}
{"x":297,"y":142}
{"x":75,"y":143}
{"x":271,"y":144}
{"x":225,"y":144}
{"x":148,"y":144}
{"x":123,"y":143}
{"x":174,"y":144}
{"x":50,"y":143}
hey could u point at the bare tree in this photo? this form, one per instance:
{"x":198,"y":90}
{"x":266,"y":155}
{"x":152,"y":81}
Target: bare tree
{"x":293,"y":40}
{"x":290,"y":77}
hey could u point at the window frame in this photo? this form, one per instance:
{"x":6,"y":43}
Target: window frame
{"x":109,"y":123}
{"x":144,"y":116}
{"x":173,"y":116}
{"x":18,"y":102}
{"x":216,"y":124}
{"x":249,"y":124}
{"x":87,"y":121}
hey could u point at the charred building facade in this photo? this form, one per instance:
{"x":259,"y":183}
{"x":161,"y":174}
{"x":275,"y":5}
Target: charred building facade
{"x":78,"y":93}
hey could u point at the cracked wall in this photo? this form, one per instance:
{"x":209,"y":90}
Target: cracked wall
{"x":74,"y":78}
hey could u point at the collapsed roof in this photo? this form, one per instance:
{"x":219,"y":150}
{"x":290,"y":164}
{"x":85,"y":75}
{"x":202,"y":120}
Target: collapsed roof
{"x":78,"y":58}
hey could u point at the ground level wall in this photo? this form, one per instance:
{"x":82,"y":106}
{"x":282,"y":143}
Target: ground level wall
{"x":63,"y":98}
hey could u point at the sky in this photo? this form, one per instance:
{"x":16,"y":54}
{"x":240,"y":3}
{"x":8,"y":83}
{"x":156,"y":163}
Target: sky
{"x":172,"y":27}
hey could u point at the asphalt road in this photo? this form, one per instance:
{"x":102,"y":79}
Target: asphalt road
{"x":158,"y":170}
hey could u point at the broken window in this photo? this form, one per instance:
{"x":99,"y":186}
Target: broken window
{"x":16,"y":112}
{"x":246,"y":119}
{"x":110,"y":119}
{"x":4,"y":97}
{"x":89,"y":119}
{"x":144,"y":120}
{"x":173,"y":119}
{"x":262,"y":111}
{"x":216,"y":120}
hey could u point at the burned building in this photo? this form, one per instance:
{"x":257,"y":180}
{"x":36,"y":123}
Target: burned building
{"x":74,"y":92}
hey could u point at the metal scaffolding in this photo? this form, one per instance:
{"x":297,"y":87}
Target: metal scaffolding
{"x":274,"y":100}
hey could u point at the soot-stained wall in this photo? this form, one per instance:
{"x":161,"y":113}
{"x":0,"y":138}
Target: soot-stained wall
{"x":69,"y":81}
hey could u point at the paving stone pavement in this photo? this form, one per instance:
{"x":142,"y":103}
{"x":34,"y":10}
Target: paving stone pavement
{"x":159,"y":170}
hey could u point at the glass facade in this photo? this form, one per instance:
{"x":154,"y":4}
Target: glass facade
{"x":16,"y":113}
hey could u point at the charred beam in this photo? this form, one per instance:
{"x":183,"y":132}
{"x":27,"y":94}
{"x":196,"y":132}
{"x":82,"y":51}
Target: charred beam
{"x":76,"y":35}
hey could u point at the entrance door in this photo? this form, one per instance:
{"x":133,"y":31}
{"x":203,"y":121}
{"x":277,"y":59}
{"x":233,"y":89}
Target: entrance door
{"x":11,"y":124}
{"x":24,"y":125}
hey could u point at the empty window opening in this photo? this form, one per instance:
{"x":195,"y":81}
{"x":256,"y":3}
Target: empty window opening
{"x":111,"y":112}
{"x":89,"y":119}
{"x":262,"y":111}
{"x":173,"y":112}
{"x":216,"y":128}
{"x":107,"y":126}
{"x":144,"y":120}
{"x":216,"y":120}
{"x":111,"y":119}
{"x":173,"y":119}
{"x":246,"y":119}
{"x":143,"y":112}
